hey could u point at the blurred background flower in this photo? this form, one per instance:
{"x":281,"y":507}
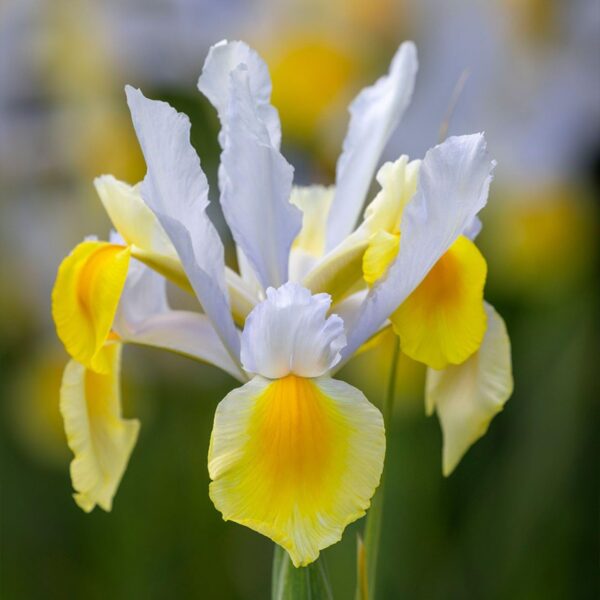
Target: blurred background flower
{"x":518,"y":517}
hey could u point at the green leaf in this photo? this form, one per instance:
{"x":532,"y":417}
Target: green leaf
{"x":305,"y":583}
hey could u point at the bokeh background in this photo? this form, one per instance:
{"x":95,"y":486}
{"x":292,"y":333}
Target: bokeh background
{"x":519,"y":517}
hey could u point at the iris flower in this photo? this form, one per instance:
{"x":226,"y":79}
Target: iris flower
{"x":295,"y":454}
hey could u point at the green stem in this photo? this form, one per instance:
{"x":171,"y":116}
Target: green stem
{"x":305,"y":583}
{"x":375,"y":514}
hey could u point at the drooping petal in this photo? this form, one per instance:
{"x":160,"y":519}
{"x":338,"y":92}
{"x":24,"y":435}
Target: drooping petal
{"x":374,"y":115}
{"x":85,"y":298}
{"x":454,"y":180}
{"x":214,"y":83}
{"x":290,"y":332}
{"x":101,"y":440}
{"x":176,"y":190}
{"x":468,"y":396}
{"x":144,"y":317}
{"x":256,"y":183}
{"x":443,"y":321}
{"x":296,"y":460}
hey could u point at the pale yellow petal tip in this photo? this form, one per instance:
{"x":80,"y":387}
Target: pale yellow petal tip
{"x":296,"y":460}
{"x":100,"y":439}
{"x":85,"y":298}
{"x":467,"y":397}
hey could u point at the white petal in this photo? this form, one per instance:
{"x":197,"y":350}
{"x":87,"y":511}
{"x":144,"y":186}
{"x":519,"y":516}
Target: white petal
{"x":144,"y":317}
{"x":290,"y":332}
{"x":176,"y":190}
{"x":374,"y":114}
{"x":473,"y":229}
{"x":222,"y":59}
{"x":469,"y":395}
{"x":256,"y":183}
{"x":454,"y":180}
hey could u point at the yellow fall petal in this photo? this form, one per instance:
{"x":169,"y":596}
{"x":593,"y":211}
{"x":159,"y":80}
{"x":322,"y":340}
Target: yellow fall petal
{"x":382,"y":250}
{"x":85,"y":299}
{"x":296,"y":459}
{"x":443,"y":321}
{"x":99,"y":437}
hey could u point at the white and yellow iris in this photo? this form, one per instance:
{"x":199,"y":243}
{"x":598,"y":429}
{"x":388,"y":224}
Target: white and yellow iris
{"x":294,"y":454}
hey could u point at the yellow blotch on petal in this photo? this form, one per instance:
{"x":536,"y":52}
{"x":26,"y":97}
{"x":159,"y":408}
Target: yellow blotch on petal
{"x":296,"y":459}
{"x":101,"y":440}
{"x":85,"y":299}
{"x":443,"y":321}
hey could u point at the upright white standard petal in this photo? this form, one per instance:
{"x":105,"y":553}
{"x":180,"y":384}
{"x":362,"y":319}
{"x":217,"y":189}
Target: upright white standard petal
{"x":144,"y":317}
{"x":454,"y":180}
{"x":256,"y":183}
{"x":222,"y":59}
{"x":290,"y":332}
{"x":374,"y":115}
{"x":468,"y":396}
{"x":176,"y":190}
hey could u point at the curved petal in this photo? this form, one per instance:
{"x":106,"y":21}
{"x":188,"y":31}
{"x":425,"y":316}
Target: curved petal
{"x":296,"y":460}
{"x":256,"y":183}
{"x":144,"y":317}
{"x":290,"y":332}
{"x":85,"y":298}
{"x":101,"y":440}
{"x":454,"y":180}
{"x":443,"y":321}
{"x":214,"y":83}
{"x":374,"y":115}
{"x":140,"y":228}
{"x":176,"y":190}
{"x":468,"y":396}
{"x":130,"y":216}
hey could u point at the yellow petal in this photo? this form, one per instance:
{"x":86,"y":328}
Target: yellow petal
{"x":100,"y":439}
{"x":443,"y":321}
{"x":468,"y":396}
{"x":85,"y":299}
{"x":314,"y":201}
{"x":296,"y":459}
{"x":382,"y":250}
